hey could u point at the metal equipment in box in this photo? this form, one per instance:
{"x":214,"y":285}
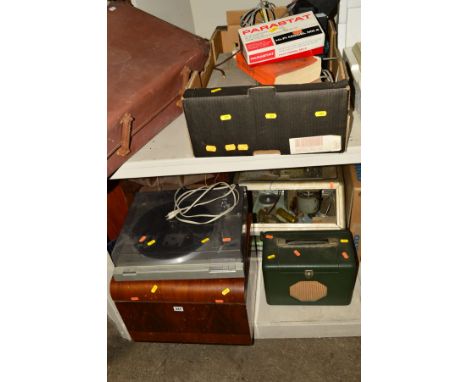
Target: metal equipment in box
{"x":298,"y":199}
{"x":309,"y":268}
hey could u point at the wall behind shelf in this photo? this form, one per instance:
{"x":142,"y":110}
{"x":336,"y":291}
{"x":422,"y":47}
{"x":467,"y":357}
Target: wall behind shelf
{"x":197,"y":16}
{"x":177,"y":12}
{"x":202,"y":16}
{"x":207,"y":15}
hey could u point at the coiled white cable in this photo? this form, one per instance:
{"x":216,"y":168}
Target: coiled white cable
{"x":266,"y":10}
{"x":181,"y":212}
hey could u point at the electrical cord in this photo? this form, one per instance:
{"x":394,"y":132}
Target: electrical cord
{"x":227,"y":58}
{"x":332,"y":201}
{"x":265,"y":8}
{"x":181,"y":212}
{"x":327,"y":75}
{"x":217,"y":66}
{"x":289,"y":8}
{"x":278,"y":197}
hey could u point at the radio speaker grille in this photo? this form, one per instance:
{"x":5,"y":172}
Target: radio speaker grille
{"x":308,"y":291}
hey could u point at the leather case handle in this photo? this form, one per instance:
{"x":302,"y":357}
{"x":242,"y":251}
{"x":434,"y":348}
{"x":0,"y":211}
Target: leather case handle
{"x":330,"y":242}
{"x":126,"y":133}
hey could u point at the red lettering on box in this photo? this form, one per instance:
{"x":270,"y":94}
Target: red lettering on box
{"x":262,"y":56}
{"x":259,"y":44}
{"x":282,"y":22}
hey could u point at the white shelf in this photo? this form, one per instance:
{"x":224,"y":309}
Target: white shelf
{"x":170,"y":153}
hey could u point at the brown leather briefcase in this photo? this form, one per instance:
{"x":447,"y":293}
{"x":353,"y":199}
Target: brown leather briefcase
{"x":148,"y":65}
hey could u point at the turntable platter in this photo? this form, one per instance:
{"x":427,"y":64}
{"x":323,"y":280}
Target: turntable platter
{"x":171,"y":238}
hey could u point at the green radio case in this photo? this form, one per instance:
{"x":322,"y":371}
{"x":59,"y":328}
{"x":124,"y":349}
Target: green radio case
{"x":309,"y":267}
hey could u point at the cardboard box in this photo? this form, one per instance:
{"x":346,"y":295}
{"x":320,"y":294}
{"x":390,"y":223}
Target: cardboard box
{"x":352,"y":176}
{"x":281,"y":39}
{"x":354,"y":66}
{"x":286,"y":119}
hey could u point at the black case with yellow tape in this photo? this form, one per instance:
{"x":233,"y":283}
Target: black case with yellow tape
{"x":238,"y":120}
{"x":309,"y":267}
{"x":241,"y":120}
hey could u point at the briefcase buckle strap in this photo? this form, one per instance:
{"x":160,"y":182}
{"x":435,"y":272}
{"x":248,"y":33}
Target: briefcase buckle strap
{"x":185,"y":74}
{"x":126,"y":134}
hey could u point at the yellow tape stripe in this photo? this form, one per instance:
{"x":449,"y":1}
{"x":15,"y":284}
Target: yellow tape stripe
{"x":205,"y":240}
{"x":225,"y":117}
{"x":271,"y":257}
{"x":321,"y":113}
{"x":151,"y":242}
{"x":225,"y":291}
{"x":344,"y":241}
{"x":270,"y":115}
{"x":154,"y":288}
{"x":216,"y":90}
{"x":231,"y":147}
{"x":242,"y":147}
{"x":210,"y":148}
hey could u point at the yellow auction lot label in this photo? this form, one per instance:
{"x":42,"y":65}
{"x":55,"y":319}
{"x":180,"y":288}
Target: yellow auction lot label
{"x":225,"y":117}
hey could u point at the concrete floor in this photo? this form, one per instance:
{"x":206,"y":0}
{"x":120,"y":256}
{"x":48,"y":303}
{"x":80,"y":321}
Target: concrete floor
{"x":287,"y":360}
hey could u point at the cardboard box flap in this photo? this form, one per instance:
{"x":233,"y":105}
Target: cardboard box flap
{"x":242,"y":90}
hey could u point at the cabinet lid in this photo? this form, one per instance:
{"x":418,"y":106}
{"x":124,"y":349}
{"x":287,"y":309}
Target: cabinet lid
{"x":214,"y":291}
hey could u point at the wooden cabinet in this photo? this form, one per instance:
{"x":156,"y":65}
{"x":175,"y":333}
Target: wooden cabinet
{"x":194,"y":311}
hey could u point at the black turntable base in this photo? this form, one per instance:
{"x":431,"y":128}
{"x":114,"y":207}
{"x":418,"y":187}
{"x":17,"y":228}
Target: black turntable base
{"x":151,"y":246}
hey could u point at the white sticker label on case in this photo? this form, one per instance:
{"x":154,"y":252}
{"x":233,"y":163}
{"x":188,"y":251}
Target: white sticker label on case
{"x":178,"y":308}
{"x":320,"y":143}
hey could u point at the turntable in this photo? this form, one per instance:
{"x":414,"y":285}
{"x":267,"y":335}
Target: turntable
{"x":151,"y":247}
